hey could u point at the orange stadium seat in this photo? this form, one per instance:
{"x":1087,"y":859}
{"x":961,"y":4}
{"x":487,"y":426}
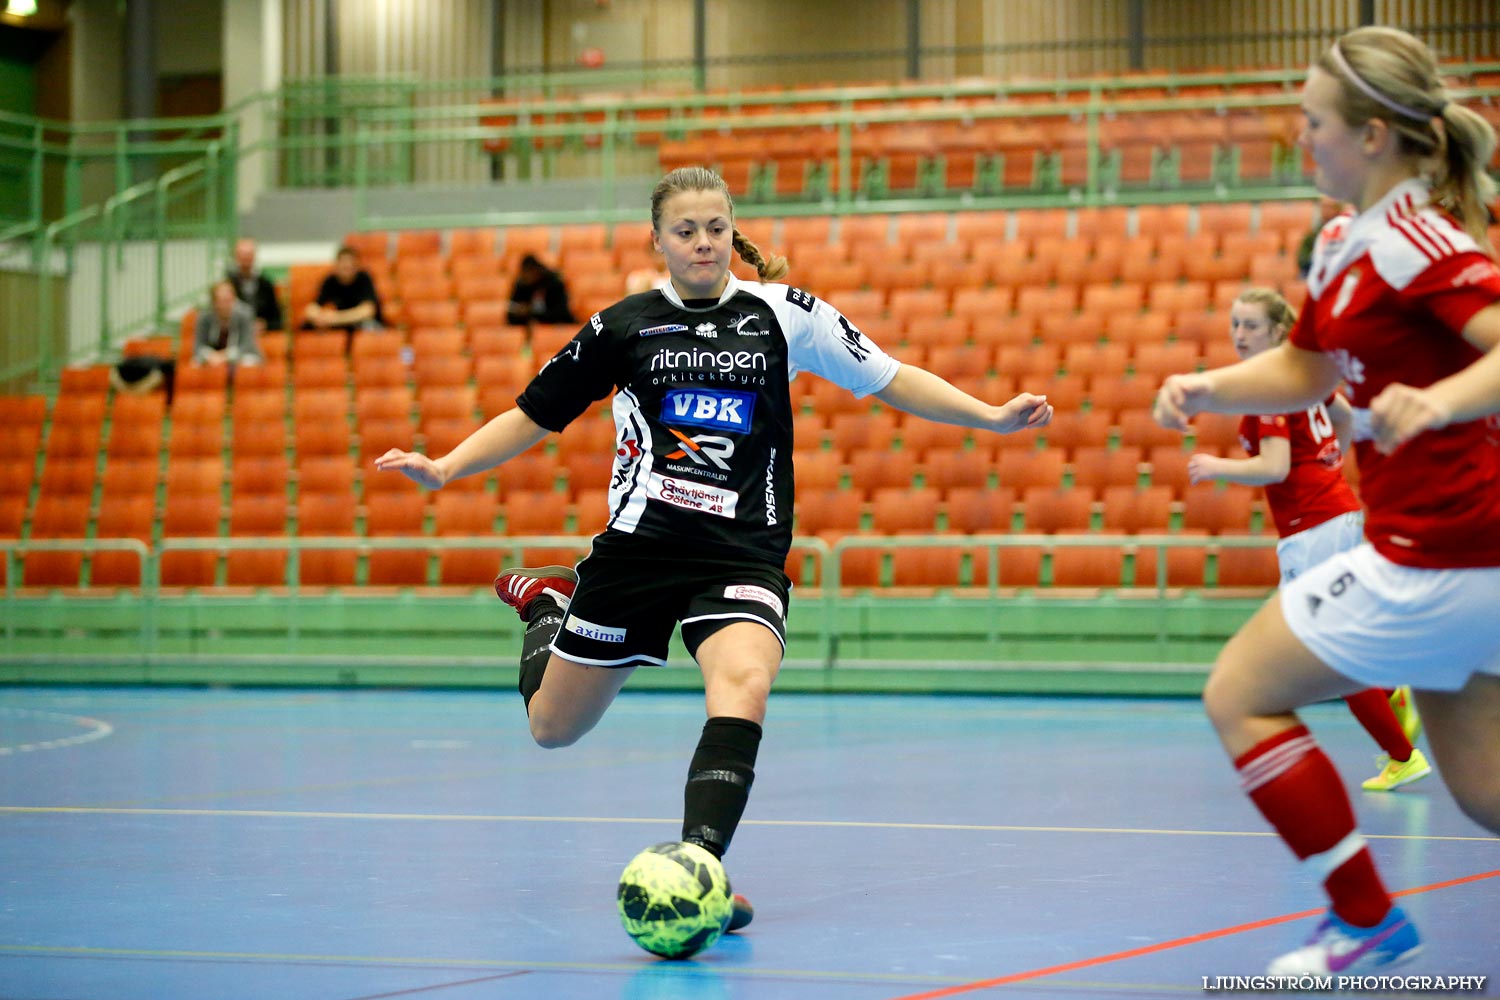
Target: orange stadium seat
{"x":955,"y":468}
{"x":1097,"y":466}
{"x":319,"y":373}
{"x":828,"y":513}
{"x":123,"y":517}
{"x":195,"y":440}
{"x":257,"y":516}
{"x":257,"y":475}
{"x":1207,"y":507}
{"x":259,"y":438}
{"x":64,"y":441}
{"x":1248,"y":568}
{"x":1168,"y":465}
{"x":466,"y":514}
{"x":1020,"y":566}
{"x":20,"y":440}
{"x":905,"y":510}
{"x":376,"y":344}
{"x":1134,"y":511}
{"x":1185,"y":567}
{"x":453,"y":370}
{"x":1114,"y":395}
{"x":69,"y":477}
{"x":326,"y":475}
{"x":256,"y":406}
{"x":325,"y":514}
{"x":980,"y":510}
{"x":447,"y":402}
{"x":17,"y":475}
{"x":88,"y":380}
{"x":17,"y":411}
{"x":1048,"y":510}
{"x":534,"y":512}
{"x":473,"y":243}
{"x":1072,"y":429}
{"x":926,"y":567}
{"x":1091,"y":566}
{"x":56,"y":518}
{"x":396,"y":514}
{"x":852,"y":432}
{"x":190,"y":515}
{"x":329,"y":437}
{"x":818,"y":470}
{"x":1023,"y":469}
{"x":1156,"y":361}
{"x":382,"y":403}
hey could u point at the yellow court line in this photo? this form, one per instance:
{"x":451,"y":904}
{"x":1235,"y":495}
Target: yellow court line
{"x":641,"y":820}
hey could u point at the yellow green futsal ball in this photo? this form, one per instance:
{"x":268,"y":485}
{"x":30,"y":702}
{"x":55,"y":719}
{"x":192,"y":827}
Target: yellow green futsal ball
{"x":674,"y":899}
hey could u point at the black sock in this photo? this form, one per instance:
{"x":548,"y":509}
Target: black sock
{"x":541,"y":628}
{"x":718,"y":783}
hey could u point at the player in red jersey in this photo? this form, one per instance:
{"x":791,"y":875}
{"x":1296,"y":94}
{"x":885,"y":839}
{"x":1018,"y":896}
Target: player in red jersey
{"x":1404,"y":307}
{"x":1297,"y":458}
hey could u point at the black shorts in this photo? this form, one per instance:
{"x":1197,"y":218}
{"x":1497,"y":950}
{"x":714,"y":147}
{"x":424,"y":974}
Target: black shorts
{"x":624,"y":609}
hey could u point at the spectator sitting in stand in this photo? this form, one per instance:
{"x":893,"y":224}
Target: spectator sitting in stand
{"x":225,"y":332}
{"x":254,"y":288}
{"x":539,"y":295}
{"x":346,"y":300}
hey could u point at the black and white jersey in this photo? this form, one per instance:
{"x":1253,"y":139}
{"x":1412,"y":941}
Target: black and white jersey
{"x":703,"y":412}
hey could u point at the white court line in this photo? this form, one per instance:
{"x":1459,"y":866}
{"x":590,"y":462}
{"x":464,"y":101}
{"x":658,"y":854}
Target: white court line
{"x":634,"y":820}
{"x":97,"y":730}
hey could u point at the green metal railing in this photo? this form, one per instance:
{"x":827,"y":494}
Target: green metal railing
{"x":989,"y":612}
{"x":159,"y":179}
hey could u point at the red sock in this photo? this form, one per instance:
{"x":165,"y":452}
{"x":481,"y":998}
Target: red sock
{"x":1294,"y":785}
{"x":1373,"y":710}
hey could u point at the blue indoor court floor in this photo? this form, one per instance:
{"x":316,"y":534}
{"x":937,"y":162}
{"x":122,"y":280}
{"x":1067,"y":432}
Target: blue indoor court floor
{"x":184,"y":844}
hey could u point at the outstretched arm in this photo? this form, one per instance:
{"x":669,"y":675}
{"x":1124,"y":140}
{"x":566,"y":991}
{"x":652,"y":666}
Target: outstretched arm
{"x":1281,"y":380}
{"x":917,"y":390}
{"x":500,"y":440}
{"x":1270,"y":466}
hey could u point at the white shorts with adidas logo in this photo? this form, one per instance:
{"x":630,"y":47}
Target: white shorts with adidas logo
{"x":1385,"y":625}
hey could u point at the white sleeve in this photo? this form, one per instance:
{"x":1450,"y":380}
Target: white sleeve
{"x":820,"y":340}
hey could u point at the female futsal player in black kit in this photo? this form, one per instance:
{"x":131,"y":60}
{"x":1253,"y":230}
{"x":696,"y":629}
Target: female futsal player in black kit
{"x":700,"y":495}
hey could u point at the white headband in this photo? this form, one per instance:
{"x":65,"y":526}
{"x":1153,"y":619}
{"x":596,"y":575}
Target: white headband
{"x":1377,"y":96}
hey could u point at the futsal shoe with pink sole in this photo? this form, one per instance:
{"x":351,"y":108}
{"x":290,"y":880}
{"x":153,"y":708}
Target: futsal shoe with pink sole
{"x":1337,"y":946}
{"x":520,"y":587}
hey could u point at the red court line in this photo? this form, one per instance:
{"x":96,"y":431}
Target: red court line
{"x":1151,"y":949}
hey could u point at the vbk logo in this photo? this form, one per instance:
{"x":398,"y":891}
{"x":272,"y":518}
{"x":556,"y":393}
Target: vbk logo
{"x":719,"y":409}
{"x":703,"y":450}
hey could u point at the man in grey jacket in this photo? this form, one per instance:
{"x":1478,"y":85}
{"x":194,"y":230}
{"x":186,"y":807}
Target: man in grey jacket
{"x":226,"y":331}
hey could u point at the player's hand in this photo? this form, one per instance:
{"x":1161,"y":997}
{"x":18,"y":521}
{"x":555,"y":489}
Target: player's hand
{"x":1180,"y":398}
{"x":1203,"y":468}
{"x":418,"y":468}
{"x":1401,"y":412}
{"x":1026,"y":412}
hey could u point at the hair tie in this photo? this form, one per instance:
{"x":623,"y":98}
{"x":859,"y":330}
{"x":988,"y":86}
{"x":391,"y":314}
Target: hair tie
{"x":1401,"y":109}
